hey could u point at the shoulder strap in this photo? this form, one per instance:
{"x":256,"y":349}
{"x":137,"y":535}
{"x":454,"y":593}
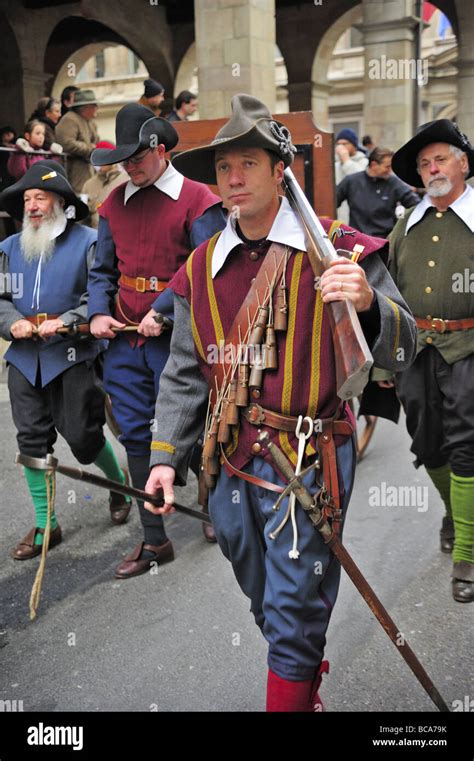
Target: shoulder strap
{"x":249,"y":307}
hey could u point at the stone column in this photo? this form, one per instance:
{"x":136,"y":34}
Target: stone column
{"x":320,"y":104}
{"x":34,"y":81}
{"x":390,"y":70}
{"x":235,"y":52}
{"x":299,"y":95}
{"x":465,"y":66}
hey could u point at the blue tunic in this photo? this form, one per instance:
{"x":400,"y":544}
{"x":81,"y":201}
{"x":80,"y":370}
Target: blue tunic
{"x":61,"y":289}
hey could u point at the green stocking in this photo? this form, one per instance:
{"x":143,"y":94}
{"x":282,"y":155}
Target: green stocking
{"x":37,"y":485}
{"x":109,"y":465}
{"x":441,"y":478}
{"x":462,"y":500}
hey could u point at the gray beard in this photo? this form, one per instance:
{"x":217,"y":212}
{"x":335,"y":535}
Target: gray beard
{"x":441,"y":188}
{"x":37,"y":240}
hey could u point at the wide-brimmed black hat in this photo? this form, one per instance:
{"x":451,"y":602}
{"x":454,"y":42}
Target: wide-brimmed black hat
{"x":136,"y":128}
{"x":438,"y":131}
{"x":250,"y":126}
{"x":43,"y":175}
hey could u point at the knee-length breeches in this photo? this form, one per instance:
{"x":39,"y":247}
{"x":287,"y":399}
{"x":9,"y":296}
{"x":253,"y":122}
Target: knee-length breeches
{"x":71,"y":404}
{"x":438,"y":400}
{"x":291,"y":600}
{"x":131,"y":378}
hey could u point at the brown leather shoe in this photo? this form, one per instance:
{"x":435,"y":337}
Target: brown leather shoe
{"x":118,"y":504}
{"x":209,"y":533}
{"x":27,"y":548}
{"x":133,"y":565}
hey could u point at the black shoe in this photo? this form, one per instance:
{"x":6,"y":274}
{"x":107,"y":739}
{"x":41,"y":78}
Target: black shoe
{"x":463,"y":581}
{"x":446,"y":535}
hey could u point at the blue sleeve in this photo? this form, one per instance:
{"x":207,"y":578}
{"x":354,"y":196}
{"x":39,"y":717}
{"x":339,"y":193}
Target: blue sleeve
{"x":165,"y":304}
{"x":208,"y":224}
{"x":103,"y":275}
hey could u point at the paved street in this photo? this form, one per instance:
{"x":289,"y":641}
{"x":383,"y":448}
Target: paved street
{"x":183,"y":639}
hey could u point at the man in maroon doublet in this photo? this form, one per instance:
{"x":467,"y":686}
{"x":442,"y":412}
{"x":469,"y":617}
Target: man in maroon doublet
{"x":146,"y":232}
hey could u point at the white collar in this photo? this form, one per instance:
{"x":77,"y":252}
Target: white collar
{"x":170,"y":182}
{"x":286,"y":229}
{"x":463,"y":206}
{"x":58,"y":228}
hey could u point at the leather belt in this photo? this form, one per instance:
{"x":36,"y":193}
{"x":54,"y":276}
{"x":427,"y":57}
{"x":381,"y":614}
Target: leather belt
{"x":258,"y":415}
{"x":444,"y":326}
{"x":38,"y":319}
{"x":143,"y":284}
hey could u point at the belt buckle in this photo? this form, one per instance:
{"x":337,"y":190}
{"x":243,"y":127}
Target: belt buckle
{"x":442,"y":328}
{"x":153,"y":284}
{"x":140,"y":284}
{"x":255,"y":414}
{"x":40,"y":318}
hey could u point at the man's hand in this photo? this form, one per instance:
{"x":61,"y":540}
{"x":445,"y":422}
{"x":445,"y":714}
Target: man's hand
{"x":386,"y":384}
{"x":343,"y":153}
{"x":48,"y":328}
{"x":346,"y":280}
{"x":161,"y":477}
{"x":22,"y":329}
{"x":101,"y":326}
{"x":148,"y":327}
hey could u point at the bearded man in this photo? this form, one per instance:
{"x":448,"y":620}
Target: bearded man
{"x":52,"y":378}
{"x":431,"y":262}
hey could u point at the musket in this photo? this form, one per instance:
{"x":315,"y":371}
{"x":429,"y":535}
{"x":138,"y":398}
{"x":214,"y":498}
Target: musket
{"x":83,"y":328}
{"x":50,"y":463}
{"x":352,"y":354}
{"x":320,"y":522}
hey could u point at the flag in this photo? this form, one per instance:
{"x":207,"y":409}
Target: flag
{"x":443,"y":25}
{"x":428,"y":10}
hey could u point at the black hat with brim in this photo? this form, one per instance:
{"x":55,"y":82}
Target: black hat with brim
{"x":250,"y":126}
{"x":43,"y":175}
{"x":136,"y":128}
{"x":438,"y":131}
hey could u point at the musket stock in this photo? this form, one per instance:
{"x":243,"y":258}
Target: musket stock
{"x":352,"y":354}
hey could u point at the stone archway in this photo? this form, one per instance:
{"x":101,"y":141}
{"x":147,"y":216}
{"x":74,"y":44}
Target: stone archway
{"x":149,"y":38}
{"x":187,"y":78}
{"x":319,"y":73}
{"x":12,"y":109}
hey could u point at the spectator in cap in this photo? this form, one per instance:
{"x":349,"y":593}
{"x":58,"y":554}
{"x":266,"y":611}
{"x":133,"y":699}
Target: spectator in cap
{"x":77,"y":133}
{"x":98,"y":187}
{"x":153,"y":95}
{"x":350,"y":158}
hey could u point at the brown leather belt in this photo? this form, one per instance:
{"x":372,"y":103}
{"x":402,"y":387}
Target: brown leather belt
{"x":38,"y":319}
{"x":444,"y":326}
{"x":143,"y":284}
{"x":258,"y":415}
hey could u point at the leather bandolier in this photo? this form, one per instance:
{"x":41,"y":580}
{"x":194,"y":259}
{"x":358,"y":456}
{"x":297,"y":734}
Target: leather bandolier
{"x":250,"y":348}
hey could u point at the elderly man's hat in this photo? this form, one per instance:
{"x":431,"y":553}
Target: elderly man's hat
{"x":43,"y":175}
{"x":136,"y":128}
{"x":438,"y":131}
{"x":250,"y":126}
{"x":84,"y":98}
